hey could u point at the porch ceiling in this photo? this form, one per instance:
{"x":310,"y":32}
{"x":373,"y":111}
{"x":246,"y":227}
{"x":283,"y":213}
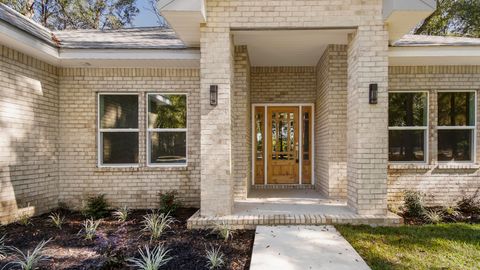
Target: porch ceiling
{"x":288,"y":47}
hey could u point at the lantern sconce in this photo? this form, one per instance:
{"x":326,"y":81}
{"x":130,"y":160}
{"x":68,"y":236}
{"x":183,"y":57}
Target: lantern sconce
{"x":373,"y":94}
{"x":213,"y":95}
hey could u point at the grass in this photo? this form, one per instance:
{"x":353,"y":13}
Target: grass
{"x":441,"y":246}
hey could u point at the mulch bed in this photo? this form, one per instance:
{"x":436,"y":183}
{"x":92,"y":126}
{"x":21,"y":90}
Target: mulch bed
{"x":116,"y":241}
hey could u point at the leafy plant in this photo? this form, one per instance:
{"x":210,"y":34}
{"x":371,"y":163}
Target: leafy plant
{"x":215,"y":258}
{"x":470,"y":204}
{"x":156,"y":224}
{"x":224,"y":231}
{"x":433,"y":216}
{"x":96,"y":207}
{"x":29,"y":260}
{"x":3,"y":248}
{"x":122,"y":214}
{"x":89,"y":229}
{"x":57,"y":220}
{"x":150,"y":259}
{"x":168,"y":202}
{"x":414,"y":204}
{"x":24,"y":219}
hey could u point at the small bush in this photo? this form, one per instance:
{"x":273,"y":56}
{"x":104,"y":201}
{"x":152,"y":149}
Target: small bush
{"x":150,"y":259}
{"x":169,"y":203}
{"x":215,"y":258}
{"x":3,"y":248}
{"x":156,"y":224}
{"x":96,"y":207}
{"x":24,"y":219}
{"x":224,"y":231}
{"x":29,"y":260}
{"x":122,"y":214}
{"x":89,"y":229}
{"x":470,"y":205}
{"x":433,"y":216}
{"x":57,"y":220}
{"x":414,"y":205}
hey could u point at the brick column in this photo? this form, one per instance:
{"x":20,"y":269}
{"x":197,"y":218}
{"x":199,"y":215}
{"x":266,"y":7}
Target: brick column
{"x":216,"y":68}
{"x":367,"y":135}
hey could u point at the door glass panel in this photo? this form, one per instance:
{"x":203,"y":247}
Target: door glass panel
{"x":306,"y":145}
{"x":259,"y":145}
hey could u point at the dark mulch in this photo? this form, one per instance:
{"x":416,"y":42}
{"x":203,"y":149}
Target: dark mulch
{"x":117,"y":241}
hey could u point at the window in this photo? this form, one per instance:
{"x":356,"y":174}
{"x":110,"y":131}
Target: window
{"x":408,"y":125}
{"x":456,"y":125}
{"x":167,"y":129}
{"x":118,"y":129}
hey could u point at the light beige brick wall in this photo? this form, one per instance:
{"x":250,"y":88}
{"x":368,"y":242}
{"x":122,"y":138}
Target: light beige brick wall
{"x":444,"y":184}
{"x":331,"y":123}
{"x":135,"y":187}
{"x":241,"y":122}
{"x":367,"y":134}
{"x":216,"y":68}
{"x":28,"y":137}
{"x":283,"y":84}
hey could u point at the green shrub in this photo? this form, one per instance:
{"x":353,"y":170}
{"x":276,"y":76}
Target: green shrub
{"x":433,"y":216}
{"x":57,"y":220}
{"x":215,"y":258}
{"x":414,"y":204}
{"x":3,"y":248}
{"x":122,"y":214}
{"x":29,"y":260}
{"x":89,"y":229}
{"x":470,"y":205}
{"x":224,"y":231}
{"x":150,"y":259}
{"x":156,"y":224}
{"x":168,"y":202}
{"x":96,"y":207}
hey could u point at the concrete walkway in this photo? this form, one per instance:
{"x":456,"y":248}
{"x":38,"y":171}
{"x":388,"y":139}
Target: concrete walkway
{"x":303,"y":247}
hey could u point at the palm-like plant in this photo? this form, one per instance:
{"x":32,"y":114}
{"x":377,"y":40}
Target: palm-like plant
{"x":57,"y":220}
{"x":90,"y":228}
{"x":122,"y":213}
{"x":156,"y":224}
{"x":215,"y":258}
{"x":29,"y":260}
{"x":150,"y":259}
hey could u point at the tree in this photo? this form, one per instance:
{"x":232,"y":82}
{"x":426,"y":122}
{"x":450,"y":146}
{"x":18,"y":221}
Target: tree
{"x":453,"y":17}
{"x":77,"y":14}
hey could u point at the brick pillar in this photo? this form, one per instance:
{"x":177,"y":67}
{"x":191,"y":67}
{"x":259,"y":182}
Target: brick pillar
{"x":216,"y":68}
{"x":367,"y":135}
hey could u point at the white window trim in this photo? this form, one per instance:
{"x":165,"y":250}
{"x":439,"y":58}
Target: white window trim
{"x":426,"y":129}
{"x":100,"y":131}
{"x":473,"y":149}
{"x":148,"y":130}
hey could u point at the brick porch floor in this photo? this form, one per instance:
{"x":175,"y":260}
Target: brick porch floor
{"x":290,"y":207}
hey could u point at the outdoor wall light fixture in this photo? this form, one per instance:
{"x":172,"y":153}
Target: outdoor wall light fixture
{"x":213,"y":95}
{"x":373,"y":94}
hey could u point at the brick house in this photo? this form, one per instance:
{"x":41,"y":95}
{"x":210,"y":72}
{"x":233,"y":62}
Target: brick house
{"x":331,"y":96}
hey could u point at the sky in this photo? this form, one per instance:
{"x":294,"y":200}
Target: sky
{"x":145,"y":17}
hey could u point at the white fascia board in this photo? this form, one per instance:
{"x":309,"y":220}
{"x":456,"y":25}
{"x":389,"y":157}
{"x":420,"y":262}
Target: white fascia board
{"x":434,"y":55}
{"x":130,"y":57}
{"x":27,"y":44}
{"x":184,"y":17}
{"x":402,"y":16}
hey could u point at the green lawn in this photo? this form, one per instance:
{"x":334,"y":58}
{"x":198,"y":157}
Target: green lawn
{"x":444,"y":246}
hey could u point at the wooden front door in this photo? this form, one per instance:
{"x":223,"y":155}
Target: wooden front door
{"x":282,"y":145}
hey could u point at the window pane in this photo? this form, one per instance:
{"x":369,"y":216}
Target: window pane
{"x":168,"y":148}
{"x":407,"y":109}
{"x":120,"y":147}
{"x":167,"y":111}
{"x":455,"y":145}
{"x":456,"y":109}
{"x":406,"y":145}
{"x":118,"y":111}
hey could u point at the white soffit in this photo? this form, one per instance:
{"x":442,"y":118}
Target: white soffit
{"x":402,"y":16}
{"x":184,"y":17}
{"x":288,"y":47}
{"x":434,"y":56}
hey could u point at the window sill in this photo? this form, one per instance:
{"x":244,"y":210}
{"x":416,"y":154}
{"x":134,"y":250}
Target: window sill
{"x":458,"y":166}
{"x":410,"y":166}
{"x":141,"y":169}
